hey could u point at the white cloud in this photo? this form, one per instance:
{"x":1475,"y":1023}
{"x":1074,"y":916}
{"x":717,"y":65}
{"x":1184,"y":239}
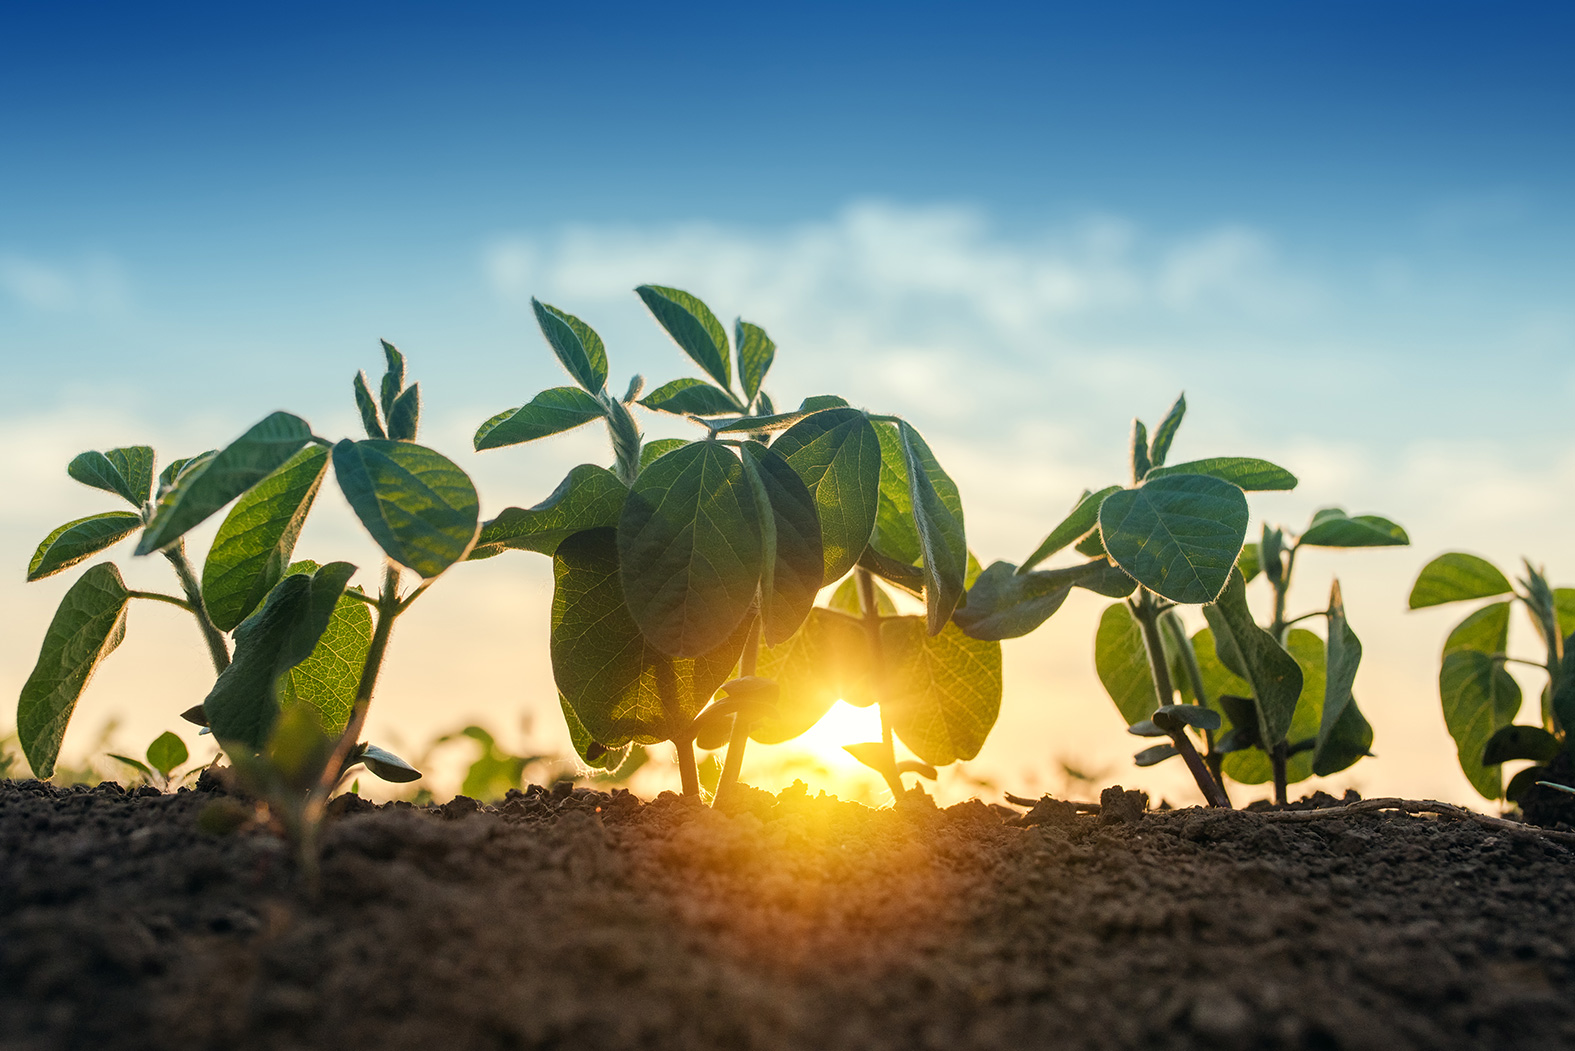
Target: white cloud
{"x":94,"y":283}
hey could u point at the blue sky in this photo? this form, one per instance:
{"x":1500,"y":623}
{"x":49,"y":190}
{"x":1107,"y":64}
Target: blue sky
{"x":1345,"y":229}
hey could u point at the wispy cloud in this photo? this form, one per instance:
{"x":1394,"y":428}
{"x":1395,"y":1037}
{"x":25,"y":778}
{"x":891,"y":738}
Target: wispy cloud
{"x":93,"y":283}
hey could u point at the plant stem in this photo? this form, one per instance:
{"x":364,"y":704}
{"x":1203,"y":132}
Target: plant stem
{"x":1171,"y":623}
{"x":218,"y":649}
{"x":740,"y":738}
{"x":688,"y":772}
{"x":388,"y":610}
{"x":1282,"y":587}
{"x":870,"y":608}
{"x":1144,"y":609}
{"x":157,"y":597}
{"x":1277,"y":758}
{"x":1212,"y":792}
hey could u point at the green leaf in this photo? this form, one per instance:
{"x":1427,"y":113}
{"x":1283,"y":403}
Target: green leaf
{"x":650,"y":452}
{"x":1121,"y":662}
{"x":592,"y":753}
{"x":1252,"y":766}
{"x":1155,"y":755}
{"x":612,"y":677}
{"x":166,"y":753}
{"x":1165,"y":433}
{"x":837,"y":454}
{"x":1332,"y":527}
{"x":589,"y":498}
{"x":1521,"y":783}
{"x":552,"y":411}
{"x":1455,"y":577}
{"x":1250,"y":562}
{"x":1171,"y":717}
{"x":1076,"y":525}
{"x":846,"y":600}
{"x":942,"y":692}
{"x":136,"y":764}
{"x":909,"y":578}
{"x":253,"y":545}
{"x":1276,"y":676}
{"x":89,"y":623}
{"x":237,"y":467}
{"x":756,"y":424}
{"x":127,"y":472}
{"x":244,"y":704}
{"x":366,"y":405}
{"x":1139,"y":451}
{"x":1520,"y":742}
{"x":1177,"y":536}
{"x":1564,"y":607}
{"x":690,"y":549}
{"x":1344,"y":734}
{"x":1485,"y":630}
{"x":1108,"y":580}
{"x":755,"y":354}
{"x":821,"y":402}
{"x":1479,"y":698}
{"x":793,"y":562}
{"x":1005,"y":604}
{"x":393,"y":377}
{"x":690,"y":396}
{"x":1245,"y":472}
{"x":826,"y":660}
{"x":327,"y":680}
{"x":575,"y":343}
{"x":938,"y":516}
{"x":79,"y":540}
{"x":387,"y":765}
{"x":1091,"y":546}
{"x":405,"y":417}
{"x":692,"y":326}
{"x":177,"y":469}
{"x":419,"y":507}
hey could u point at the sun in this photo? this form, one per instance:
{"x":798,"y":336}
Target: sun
{"x":818,"y":758}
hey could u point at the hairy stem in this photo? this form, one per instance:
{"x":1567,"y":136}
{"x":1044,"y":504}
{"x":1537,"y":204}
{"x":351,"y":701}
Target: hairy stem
{"x":1144,"y":609}
{"x":218,"y":649}
{"x":1171,"y":624}
{"x":157,"y":597}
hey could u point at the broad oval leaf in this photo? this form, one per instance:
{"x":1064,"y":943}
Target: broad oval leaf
{"x":575,"y":343}
{"x":690,"y":396}
{"x":1121,"y":661}
{"x":202,"y":490}
{"x":1275,"y":675}
{"x":1485,"y":630}
{"x":418,"y":505}
{"x":620,"y":686}
{"x":553,"y":411}
{"x":942,"y":692}
{"x":253,"y":546}
{"x":692,"y":326}
{"x":127,"y":472}
{"x":388,"y":766}
{"x":826,"y":660}
{"x":1344,"y":734}
{"x":245,"y":701}
{"x":1178,"y":536}
{"x":166,"y":753}
{"x":79,"y":540}
{"x":690,"y":549}
{"x":1155,"y":755}
{"x":88,"y":624}
{"x":1455,"y":577}
{"x":592,"y":753}
{"x":328,"y":679}
{"x":1244,"y":472}
{"x":1082,"y":520}
{"x":1006,"y":604}
{"x":588,"y":498}
{"x":837,"y":454}
{"x":652,"y":451}
{"x":1520,"y":742}
{"x":792,"y":563}
{"x":1479,"y":698}
{"x":1252,"y":766}
{"x":755,"y":354}
{"x":1332,"y":527}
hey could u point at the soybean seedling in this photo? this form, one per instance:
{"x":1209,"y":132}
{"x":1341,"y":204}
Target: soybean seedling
{"x":1169,"y":539}
{"x":1480,"y":698}
{"x":166,"y":754}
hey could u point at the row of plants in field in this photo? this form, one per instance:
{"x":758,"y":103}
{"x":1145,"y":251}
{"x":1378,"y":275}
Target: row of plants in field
{"x":687,"y":574}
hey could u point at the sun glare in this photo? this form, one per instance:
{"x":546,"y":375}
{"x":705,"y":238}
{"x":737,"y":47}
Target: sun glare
{"x":819,"y":759}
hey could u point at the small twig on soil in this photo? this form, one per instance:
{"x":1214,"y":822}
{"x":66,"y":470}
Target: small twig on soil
{"x":1417,"y":806}
{"x":1083,"y":808}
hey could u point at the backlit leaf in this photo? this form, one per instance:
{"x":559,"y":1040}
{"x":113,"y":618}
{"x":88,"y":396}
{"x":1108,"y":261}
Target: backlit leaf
{"x":126,"y":472}
{"x":589,"y":498}
{"x":792,"y":566}
{"x":692,"y":326}
{"x":826,"y":660}
{"x":327,"y":680}
{"x":837,"y":454}
{"x":1139,"y":451}
{"x":1245,"y":472}
{"x":1252,"y":766}
{"x":254,"y":543}
{"x":1005,"y":604}
{"x":88,"y":624}
{"x":610,"y":675}
{"x":1344,"y":734}
{"x":1177,"y":536}
{"x":938,"y":516}
{"x":417,"y":504}
{"x":405,"y":419}
{"x":166,"y":753}
{"x":80,"y":540}
{"x":366,"y":405}
{"x":1455,"y":577}
{"x":575,"y":343}
{"x":690,"y":396}
{"x":592,"y":753}
{"x":942,"y":692}
{"x":553,"y":411}
{"x":1083,"y":518}
{"x":1121,"y":662}
{"x":1276,"y":676}
{"x":1479,"y":698}
{"x":1485,"y":630}
{"x":237,"y":467}
{"x":755,"y":354}
{"x":393,"y":377}
{"x":1332,"y":527}
{"x":650,"y":452}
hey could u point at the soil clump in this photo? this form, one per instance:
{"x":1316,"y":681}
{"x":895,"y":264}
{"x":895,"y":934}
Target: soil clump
{"x":584,"y":919}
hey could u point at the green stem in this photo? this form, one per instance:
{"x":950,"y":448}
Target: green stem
{"x":388,"y":610}
{"x":1200,"y":773}
{"x":740,"y":738}
{"x":870,"y":609}
{"x":1282,"y":588}
{"x":688,"y":772}
{"x":1143,"y":608}
{"x":1172,"y":625}
{"x":157,"y":597}
{"x":1277,"y":758}
{"x":218,"y":649}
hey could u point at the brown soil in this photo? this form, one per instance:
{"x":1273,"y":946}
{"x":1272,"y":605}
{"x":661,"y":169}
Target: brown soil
{"x":589,"y":920}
